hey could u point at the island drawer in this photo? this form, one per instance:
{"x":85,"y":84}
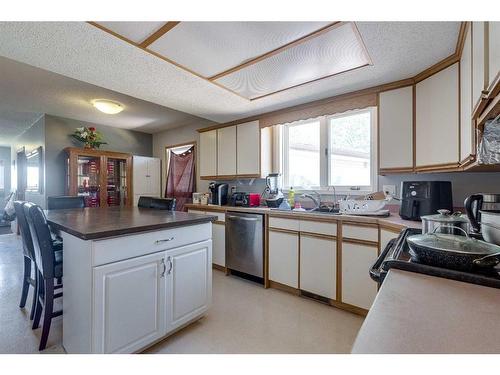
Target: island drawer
{"x":124,"y":247}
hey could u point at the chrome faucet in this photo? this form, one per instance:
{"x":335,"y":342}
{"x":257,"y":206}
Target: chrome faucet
{"x":317,"y":201}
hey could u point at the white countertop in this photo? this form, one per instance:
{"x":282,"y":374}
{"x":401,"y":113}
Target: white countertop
{"x":416,"y":313}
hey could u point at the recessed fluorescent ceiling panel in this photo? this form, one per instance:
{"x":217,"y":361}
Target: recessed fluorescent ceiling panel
{"x":338,"y":50}
{"x":134,"y":31}
{"x":209,"y":48}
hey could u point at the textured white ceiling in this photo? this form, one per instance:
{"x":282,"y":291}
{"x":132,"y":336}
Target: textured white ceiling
{"x":209,"y":48}
{"x":24,"y":88}
{"x":135,"y":31}
{"x":81,"y":51}
{"x":14,"y":123}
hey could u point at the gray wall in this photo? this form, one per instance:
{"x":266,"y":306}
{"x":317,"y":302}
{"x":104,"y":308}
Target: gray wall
{"x":6,"y":162}
{"x":463,"y":184}
{"x":31,"y":139}
{"x":58,"y":137}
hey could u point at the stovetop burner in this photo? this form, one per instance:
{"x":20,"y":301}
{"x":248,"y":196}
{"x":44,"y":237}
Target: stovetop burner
{"x":397,"y":255}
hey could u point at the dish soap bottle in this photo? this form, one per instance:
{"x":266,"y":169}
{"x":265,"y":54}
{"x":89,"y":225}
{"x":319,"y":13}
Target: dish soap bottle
{"x":291,"y":197}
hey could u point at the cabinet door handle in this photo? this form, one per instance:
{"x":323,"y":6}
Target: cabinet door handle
{"x":170,"y":265}
{"x":164,"y":267}
{"x":157,"y":242}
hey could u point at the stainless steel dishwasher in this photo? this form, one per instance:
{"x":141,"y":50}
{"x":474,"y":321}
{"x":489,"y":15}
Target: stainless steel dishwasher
{"x":245,"y":243}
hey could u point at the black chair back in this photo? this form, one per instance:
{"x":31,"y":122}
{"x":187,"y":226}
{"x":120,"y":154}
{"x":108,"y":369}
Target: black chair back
{"x":62,"y":202}
{"x":24,"y":229}
{"x":157,"y":203}
{"x":42,"y":240}
{"x":144,"y":202}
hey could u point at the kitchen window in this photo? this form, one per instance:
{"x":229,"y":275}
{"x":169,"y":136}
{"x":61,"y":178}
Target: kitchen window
{"x":337,"y":150}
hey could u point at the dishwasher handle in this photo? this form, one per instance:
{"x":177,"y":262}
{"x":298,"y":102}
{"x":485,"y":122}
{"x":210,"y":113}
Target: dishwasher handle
{"x":230,"y":217}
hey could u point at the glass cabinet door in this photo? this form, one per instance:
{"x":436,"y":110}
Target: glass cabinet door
{"x":116,"y":182}
{"x":88,"y":181}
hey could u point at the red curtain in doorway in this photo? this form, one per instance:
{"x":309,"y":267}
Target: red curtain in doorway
{"x":181,"y":178}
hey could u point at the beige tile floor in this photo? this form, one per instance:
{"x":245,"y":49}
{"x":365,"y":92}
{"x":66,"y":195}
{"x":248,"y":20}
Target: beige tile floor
{"x":244,"y":318}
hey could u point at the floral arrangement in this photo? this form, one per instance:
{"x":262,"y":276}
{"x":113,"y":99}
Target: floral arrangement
{"x":90,"y":137}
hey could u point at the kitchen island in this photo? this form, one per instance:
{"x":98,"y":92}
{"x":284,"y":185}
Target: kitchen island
{"x":132,"y":276}
{"x":420,"y":314}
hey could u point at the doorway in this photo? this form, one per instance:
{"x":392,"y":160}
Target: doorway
{"x":180,"y":172}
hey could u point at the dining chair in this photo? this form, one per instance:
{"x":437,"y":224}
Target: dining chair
{"x":62,"y":202}
{"x":49,"y":264}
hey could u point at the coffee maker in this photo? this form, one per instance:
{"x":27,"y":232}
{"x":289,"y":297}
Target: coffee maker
{"x":218,"y":193}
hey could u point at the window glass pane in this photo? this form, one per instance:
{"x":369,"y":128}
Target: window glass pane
{"x":304,"y":154}
{"x":350,"y":150}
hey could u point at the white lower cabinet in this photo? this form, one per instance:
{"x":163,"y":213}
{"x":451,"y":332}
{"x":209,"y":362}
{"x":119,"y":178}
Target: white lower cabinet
{"x":189,"y":283}
{"x":284,"y":258}
{"x":219,"y":244}
{"x":358,"y":289}
{"x":318,"y":265}
{"x":129,"y":309}
{"x":385,"y":237}
{"x":139,"y":300}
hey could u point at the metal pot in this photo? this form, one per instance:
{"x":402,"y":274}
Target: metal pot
{"x":491,"y":233}
{"x":452,"y":251}
{"x":446,"y":222}
{"x":476,"y":202}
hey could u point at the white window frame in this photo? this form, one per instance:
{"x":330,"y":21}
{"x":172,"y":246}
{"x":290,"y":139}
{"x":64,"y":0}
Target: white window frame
{"x":325,"y":153}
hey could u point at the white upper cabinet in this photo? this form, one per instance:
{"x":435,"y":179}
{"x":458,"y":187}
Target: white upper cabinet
{"x":479,"y":81}
{"x":208,"y":153}
{"x":494,"y":51}
{"x":396,"y":128}
{"x":226,"y":151}
{"x":248,"y":150}
{"x":437,"y":119}
{"x":466,"y":124}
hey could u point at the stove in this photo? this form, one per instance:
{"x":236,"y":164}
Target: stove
{"x":397,"y":255}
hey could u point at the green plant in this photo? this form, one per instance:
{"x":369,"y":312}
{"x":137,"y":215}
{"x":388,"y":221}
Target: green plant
{"x":90,"y":137}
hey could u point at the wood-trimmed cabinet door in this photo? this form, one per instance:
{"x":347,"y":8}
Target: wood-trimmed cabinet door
{"x":208,"y":153}
{"x":358,"y":289}
{"x":493,"y":53}
{"x":284,"y":258}
{"x":226,"y":151}
{"x":219,"y":244}
{"x":189,"y":283}
{"x":386,"y":236}
{"x":318,"y":265}
{"x":437,"y":121}
{"x":396,"y":130}
{"x":248,"y":150}
{"x":129,"y":308}
{"x":467,"y":148}
{"x":479,"y":67}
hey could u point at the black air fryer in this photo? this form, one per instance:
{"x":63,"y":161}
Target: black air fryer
{"x":420,"y":198}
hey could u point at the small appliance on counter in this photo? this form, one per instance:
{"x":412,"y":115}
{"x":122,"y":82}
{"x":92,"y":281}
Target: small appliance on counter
{"x":420,"y":198}
{"x":244,"y":199}
{"x":274,"y":197}
{"x":476,"y":203}
{"x":218,"y":193}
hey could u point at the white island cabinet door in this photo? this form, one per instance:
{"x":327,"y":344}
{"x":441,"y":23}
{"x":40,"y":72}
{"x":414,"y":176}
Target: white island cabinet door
{"x":189,"y":283}
{"x":129,"y":309}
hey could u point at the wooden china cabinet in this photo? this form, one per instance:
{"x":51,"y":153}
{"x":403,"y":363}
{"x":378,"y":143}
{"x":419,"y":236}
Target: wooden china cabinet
{"x":104,"y":178}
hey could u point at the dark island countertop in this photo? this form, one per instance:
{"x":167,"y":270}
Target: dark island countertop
{"x":98,"y":223}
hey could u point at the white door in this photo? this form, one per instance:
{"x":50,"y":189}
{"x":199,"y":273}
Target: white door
{"x":226,"y":151}
{"x":208,"y":153}
{"x":129,"y":309}
{"x":396,"y":128}
{"x":318,"y":265}
{"x":284,"y":258}
{"x":140,"y":182}
{"x":219,"y":244}
{"x":153,"y":176}
{"x":466,"y":124}
{"x":437,"y":119}
{"x":189,"y":283}
{"x":358,"y":289}
{"x":248,"y":148}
